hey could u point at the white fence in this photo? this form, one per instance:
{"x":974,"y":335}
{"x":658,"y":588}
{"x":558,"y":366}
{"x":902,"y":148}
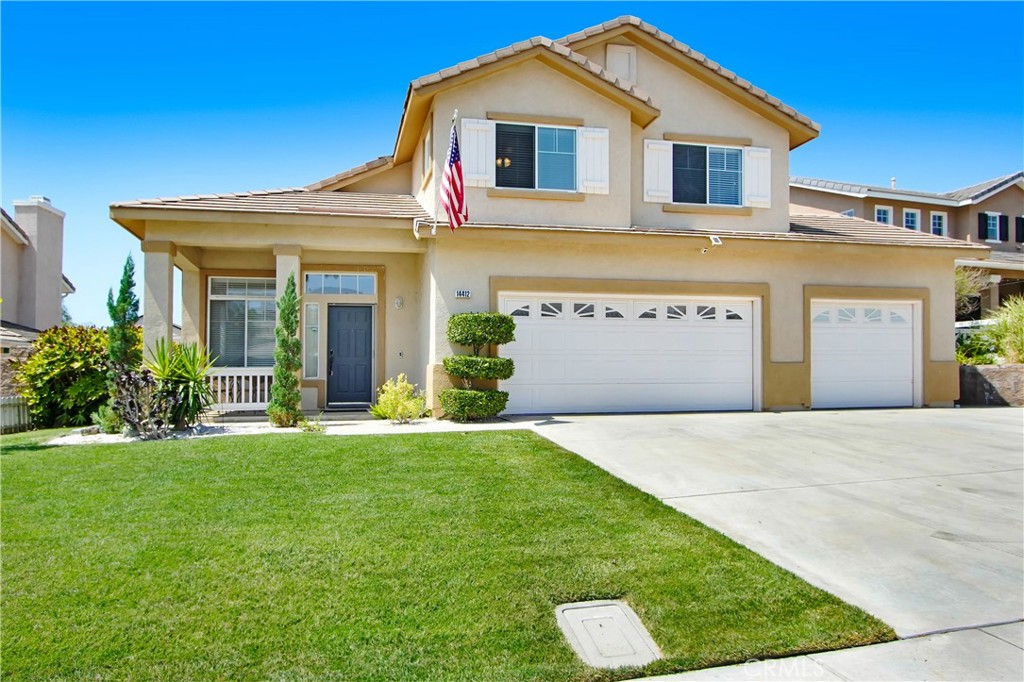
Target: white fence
{"x":237,"y":388}
{"x":14,"y":414}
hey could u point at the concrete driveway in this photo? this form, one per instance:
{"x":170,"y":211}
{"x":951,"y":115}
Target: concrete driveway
{"x":913,"y":515}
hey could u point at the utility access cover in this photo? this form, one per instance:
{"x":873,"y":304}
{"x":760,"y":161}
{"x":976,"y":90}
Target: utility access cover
{"x":606,"y":634}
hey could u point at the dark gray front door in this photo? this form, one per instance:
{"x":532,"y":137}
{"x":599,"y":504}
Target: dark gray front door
{"x":349,"y":354}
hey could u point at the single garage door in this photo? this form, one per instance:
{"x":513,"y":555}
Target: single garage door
{"x":607,"y":353}
{"x":863,"y":354}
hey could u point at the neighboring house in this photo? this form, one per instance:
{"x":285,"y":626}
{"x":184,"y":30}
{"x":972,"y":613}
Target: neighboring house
{"x":629,"y":206}
{"x":32,"y":284}
{"x":990,"y":213}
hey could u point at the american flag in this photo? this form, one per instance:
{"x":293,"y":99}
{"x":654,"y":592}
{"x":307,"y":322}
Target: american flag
{"x":453,"y":191}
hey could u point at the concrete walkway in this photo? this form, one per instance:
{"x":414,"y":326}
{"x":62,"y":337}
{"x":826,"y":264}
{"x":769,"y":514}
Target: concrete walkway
{"x":913,"y":515}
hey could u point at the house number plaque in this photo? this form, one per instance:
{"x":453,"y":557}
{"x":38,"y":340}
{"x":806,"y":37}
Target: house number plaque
{"x":463,"y":293}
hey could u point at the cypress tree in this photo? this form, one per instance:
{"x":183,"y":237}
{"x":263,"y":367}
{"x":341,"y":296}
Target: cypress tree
{"x":284,"y":408}
{"x":123,"y":345}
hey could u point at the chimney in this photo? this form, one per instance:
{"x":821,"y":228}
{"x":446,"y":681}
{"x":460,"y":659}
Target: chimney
{"x":892,"y":182}
{"x":42,"y":263}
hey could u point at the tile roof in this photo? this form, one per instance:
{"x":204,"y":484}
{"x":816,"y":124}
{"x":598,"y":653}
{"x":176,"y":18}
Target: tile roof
{"x":351,"y":172}
{"x":982,"y":188}
{"x":965,"y":195}
{"x":296,"y":200}
{"x":686,"y":50}
{"x":852,"y":188}
{"x":552,"y":46}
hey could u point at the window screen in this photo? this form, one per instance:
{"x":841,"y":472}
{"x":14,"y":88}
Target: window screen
{"x":725,"y":176}
{"x":514,"y":147}
{"x":689,"y":174}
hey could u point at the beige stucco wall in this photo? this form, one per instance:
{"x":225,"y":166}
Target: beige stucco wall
{"x":39,"y":300}
{"x":788,"y":270}
{"x":828,"y":201}
{"x":10,"y":276}
{"x":392,"y":181}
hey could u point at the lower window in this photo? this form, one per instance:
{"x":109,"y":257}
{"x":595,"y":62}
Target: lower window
{"x":241,"y":321}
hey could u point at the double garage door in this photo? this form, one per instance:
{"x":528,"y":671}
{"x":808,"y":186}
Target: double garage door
{"x":617,"y":354}
{"x":608,"y":353}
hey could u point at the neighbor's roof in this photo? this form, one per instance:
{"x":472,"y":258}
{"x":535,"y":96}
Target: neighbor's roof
{"x":982,"y":189}
{"x":296,"y":200}
{"x":588,"y":34}
{"x":960,"y":197}
{"x":67,"y":284}
{"x":1006,"y":261}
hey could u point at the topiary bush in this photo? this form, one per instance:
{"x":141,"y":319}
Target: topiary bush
{"x":463,"y":404}
{"x":474,"y":367}
{"x":477,"y":330}
{"x":285,"y":404}
{"x":65,"y":378}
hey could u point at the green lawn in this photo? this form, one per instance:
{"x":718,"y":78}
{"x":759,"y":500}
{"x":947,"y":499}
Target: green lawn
{"x":301,"y":557}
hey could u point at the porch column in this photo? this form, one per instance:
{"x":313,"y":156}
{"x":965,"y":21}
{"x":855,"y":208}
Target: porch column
{"x":191,"y":304}
{"x":993,"y":291}
{"x":158,"y":299}
{"x":288,"y":256}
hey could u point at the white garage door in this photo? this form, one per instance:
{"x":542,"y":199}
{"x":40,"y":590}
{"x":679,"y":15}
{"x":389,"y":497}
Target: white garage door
{"x":599,"y":353}
{"x":863,"y":354}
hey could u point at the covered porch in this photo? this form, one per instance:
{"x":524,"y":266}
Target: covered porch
{"x":358,"y":278}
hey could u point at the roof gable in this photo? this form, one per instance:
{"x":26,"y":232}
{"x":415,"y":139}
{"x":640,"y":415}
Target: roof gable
{"x":801,"y":128}
{"x":985,"y":189}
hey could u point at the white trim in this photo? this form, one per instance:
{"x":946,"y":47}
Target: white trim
{"x":45,"y":205}
{"x":15,"y":234}
{"x":874,"y":217}
{"x":916,"y":212}
{"x":945,"y":222}
{"x":799,"y":185}
{"x":989,"y":264}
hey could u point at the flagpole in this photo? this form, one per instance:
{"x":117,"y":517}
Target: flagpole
{"x":437,"y":187}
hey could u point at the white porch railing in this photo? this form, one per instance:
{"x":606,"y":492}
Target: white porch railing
{"x":240,"y":388}
{"x":14,"y":414}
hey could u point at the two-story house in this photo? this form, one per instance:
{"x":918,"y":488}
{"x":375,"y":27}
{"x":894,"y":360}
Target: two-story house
{"x":32,"y":283}
{"x":990,"y":213}
{"x":629,"y":206}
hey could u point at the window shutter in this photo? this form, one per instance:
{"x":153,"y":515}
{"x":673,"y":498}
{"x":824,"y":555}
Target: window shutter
{"x":592,"y":160}
{"x":1004,"y":228}
{"x":658,"y":171}
{"x":757,"y":177}
{"x":1020,"y":229}
{"x":982,"y":226}
{"x":477,"y":149}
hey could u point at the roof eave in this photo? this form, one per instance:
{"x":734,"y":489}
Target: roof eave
{"x":799,"y":132}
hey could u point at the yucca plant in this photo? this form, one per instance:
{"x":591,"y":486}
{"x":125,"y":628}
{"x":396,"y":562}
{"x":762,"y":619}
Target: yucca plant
{"x":182,"y":370}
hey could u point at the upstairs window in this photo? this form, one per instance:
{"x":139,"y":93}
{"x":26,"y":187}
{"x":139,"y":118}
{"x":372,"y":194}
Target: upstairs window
{"x":883,"y":214}
{"x":992,"y":225}
{"x":939,"y":223}
{"x":911,"y":219}
{"x":535,"y":157}
{"x":707,"y":175}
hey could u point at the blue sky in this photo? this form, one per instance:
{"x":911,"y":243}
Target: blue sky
{"x":129,"y":100}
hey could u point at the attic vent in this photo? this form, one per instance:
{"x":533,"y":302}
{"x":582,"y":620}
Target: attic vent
{"x":621,"y":61}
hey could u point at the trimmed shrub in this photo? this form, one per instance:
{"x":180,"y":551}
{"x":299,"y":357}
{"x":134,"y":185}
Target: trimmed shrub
{"x":285,"y":404}
{"x":399,"y":401}
{"x":477,"y":330}
{"x":1008,"y":329}
{"x":475,"y":367}
{"x":65,"y":378}
{"x":465,"y":405}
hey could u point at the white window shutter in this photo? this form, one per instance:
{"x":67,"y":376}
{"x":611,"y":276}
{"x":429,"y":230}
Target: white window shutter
{"x":757,"y":177}
{"x":592,"y":160}
{"x":477,"y":149}
{"x":658,"y":171}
